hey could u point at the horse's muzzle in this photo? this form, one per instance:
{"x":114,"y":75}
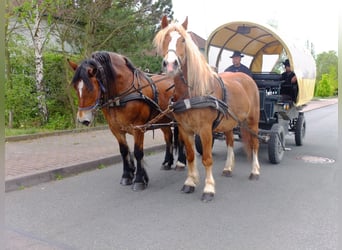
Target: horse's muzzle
{"x":170,"y":68}
{"x":86,"y":123}
{"x":85,"y":118}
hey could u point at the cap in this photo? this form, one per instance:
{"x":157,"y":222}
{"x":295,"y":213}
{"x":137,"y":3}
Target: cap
{"x":237,"y":53}
{"x":286,"y":63}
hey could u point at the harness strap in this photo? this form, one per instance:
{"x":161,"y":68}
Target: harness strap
{"x":135,"y":96}
{"x":224,"y":99}
{"x":198,"y":102}
{"x":205,"y":102}
{"x":154,"y":88}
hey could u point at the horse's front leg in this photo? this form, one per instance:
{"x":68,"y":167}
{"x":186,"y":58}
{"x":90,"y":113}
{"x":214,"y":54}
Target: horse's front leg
{"x":193,"y":177}
{"x":127,"y":159}
{"x":206,"y":136}
{"x":229,"y":166}
{"x":141,"y":179}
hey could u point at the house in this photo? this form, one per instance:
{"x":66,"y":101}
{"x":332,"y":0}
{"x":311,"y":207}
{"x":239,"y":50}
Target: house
{"x":199,"y":41}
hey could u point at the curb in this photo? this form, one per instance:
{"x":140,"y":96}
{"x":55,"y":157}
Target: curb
{"x":56,"y":133}
{"x":21,"y":182}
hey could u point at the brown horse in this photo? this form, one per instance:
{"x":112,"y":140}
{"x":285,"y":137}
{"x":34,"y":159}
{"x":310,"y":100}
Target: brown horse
{"x":204,"y":101}
{"x":128,"y":98}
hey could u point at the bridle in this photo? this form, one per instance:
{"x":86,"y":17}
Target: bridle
{"x":181,"y":73}
{"x":128,"y":95}
{"x":98,"y":101}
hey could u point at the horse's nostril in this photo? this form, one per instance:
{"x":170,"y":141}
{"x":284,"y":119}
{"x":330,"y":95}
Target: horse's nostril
{"x":164,"y":63}
{"x":175,"y":63}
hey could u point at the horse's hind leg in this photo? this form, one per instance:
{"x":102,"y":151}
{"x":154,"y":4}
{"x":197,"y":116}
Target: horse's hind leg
{"x":252,"y":146}
{"x":168,"y":160}
{"x":141,"y":179}
{"x":181,"y":161}
{"x":230,"y":161}
{"x":255,"y":161}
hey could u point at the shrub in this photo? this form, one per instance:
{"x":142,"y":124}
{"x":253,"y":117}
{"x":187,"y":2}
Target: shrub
{"x":324,"y":88}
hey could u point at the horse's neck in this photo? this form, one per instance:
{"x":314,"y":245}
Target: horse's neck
{"x":201,"y":80}
{"x":123,"y":81}
{"x":181,"y":88}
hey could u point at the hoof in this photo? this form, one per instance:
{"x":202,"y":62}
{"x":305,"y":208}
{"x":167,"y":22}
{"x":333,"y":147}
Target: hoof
{"x":227,"y":173}
{"x":165,"y":167}
{"x":253,"y":176}
{"x":179,"y":168}
{"x":188,"y":189}
{"x":126,"y":181}
{"x":206,"y":197}
{"x":139,"y":186}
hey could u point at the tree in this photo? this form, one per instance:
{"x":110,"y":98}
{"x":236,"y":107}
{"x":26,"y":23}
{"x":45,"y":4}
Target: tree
{"x":323,"y":88}
{"x":324,"y":62}
{"x":65,"y":20}
{"x":36,"y":16}
{"x":326,"y":68}
{"x":76,"y":29}
{"x":126,"y":27}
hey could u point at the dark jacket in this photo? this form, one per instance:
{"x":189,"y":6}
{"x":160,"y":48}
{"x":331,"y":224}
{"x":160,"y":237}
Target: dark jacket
{"x":241,"y":68}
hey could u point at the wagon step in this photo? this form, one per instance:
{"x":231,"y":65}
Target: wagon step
{"x":264,"y":136}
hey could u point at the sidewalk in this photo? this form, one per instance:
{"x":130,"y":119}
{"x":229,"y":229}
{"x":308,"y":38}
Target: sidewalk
{"x":35,"y":160}
{"x":30,"y":160}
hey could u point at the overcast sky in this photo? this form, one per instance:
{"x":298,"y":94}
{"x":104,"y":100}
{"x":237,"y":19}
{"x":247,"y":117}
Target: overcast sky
{"x":300,"y":20}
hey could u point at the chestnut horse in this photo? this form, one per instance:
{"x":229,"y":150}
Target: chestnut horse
{"x":127,"y":98}
{"x":204,"y":101}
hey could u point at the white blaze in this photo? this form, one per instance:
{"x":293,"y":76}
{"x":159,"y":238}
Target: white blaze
{"x":80,"y":87}
{"x":171,"y":57}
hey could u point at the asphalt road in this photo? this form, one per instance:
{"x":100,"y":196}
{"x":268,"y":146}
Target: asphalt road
{"x":292,"y":206}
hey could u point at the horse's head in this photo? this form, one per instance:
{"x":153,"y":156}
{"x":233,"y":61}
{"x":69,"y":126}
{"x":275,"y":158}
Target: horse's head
{"x":88,"y":89}
{"x":181,"y":56}
{"x":171,"y":45}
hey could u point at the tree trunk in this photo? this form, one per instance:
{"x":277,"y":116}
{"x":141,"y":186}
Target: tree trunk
{"x":38,"y":51}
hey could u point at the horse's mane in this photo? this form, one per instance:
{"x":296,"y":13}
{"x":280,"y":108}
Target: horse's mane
{"x":105,"y":70}
{"x":100,"y":61}
{"x":82,"y":72}
{"x":200,"y":76}
{"x":108,"y":74}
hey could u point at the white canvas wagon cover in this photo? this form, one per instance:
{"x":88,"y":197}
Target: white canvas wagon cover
{"x":256,"y":41}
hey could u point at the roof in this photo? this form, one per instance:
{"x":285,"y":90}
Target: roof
{"x":256,"y":40}
{"x":199,"y":41}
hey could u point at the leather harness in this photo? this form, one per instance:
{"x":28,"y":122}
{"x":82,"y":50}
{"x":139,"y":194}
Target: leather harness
{"x":207,"y":101}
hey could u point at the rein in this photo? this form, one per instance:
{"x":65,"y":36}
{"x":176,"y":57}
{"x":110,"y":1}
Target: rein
{"x":179,"y":61}
{"x":97,"y":104}
{"x":131,"y":94}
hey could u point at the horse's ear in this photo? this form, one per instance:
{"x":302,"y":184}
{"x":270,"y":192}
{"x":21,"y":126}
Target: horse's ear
{"x":185,"y":23}
{"x":92,"y":72}
{"x":72,"y":64}
{"x":164,"y":22}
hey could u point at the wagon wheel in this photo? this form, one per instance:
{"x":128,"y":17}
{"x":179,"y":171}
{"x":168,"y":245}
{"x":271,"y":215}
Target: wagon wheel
{"x":300,"y":130}
{"x":276,"y":144}
{"x":198,"y":144}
